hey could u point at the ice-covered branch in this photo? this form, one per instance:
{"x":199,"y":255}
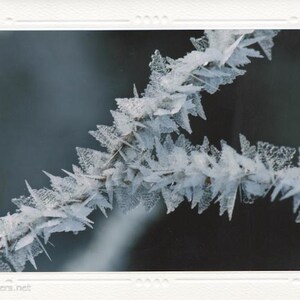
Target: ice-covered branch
{"x":147,"y":159}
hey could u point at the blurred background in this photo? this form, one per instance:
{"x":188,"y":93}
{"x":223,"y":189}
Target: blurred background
{"x":56,"y":86}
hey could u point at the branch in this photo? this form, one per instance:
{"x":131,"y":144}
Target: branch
{"x":143,"y":163}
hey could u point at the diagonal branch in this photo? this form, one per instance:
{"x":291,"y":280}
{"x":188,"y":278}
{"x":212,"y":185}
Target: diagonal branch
{"x":143,"y":163}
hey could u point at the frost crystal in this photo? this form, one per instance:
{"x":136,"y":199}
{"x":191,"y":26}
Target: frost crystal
{"x":147,"y":159}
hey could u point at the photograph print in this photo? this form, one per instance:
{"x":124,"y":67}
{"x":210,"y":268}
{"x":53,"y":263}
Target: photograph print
{"x":165,"y":150}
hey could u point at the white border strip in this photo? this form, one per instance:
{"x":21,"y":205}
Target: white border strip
{"x":151,"y":285}
{"x":145,"y":14}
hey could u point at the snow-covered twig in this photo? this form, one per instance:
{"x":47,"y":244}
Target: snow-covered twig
{"x":147,"y":159}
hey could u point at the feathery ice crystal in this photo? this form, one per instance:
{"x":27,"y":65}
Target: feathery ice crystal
{"x":148,"y":159}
